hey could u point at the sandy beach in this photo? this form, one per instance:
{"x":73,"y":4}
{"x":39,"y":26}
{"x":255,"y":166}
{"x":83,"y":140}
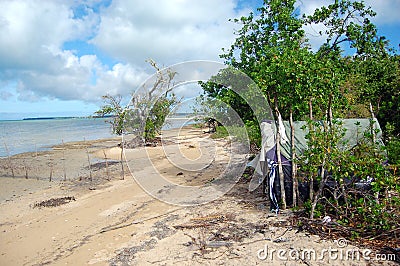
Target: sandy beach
{"x":75,"y":205}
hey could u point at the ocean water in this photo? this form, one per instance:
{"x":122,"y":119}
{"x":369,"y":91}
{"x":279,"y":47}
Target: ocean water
{"x":39,"y":135}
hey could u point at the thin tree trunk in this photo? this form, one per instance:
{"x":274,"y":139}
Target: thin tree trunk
{"x":320,"y":189}
{"x":373,"y":139}
{"x":278,"y":154}
{"x":293,"y":158}
{"x":372,"y":123}
{"x":324,"y":178}
{"x":344,"y":194}
{"x":311,"y":178}
{"x":122,"y":161}
{"x":330,"y":115}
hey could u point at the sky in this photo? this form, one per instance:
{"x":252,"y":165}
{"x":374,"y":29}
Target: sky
{"x":58,"y":57}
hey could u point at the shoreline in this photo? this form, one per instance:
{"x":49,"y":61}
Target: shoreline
{"x":43,"y":147}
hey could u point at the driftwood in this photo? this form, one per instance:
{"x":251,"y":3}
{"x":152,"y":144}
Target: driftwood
{"x":107,"y":229}
{"x":192,"y":225}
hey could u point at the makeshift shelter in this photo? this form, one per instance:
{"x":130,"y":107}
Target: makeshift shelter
{"x":265,"y":163}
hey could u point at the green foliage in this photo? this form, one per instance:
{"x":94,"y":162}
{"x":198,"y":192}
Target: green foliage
{"x":377,"y":81}
{"x":113,"y":108}
{"x":253,"y":133}
{"x":147,"y":111}
{"x":220,"y":132}
{"x":157,"y":115}
{"x":393,"y":150}
{"x":346,"y":21}
{"x":368,"y":209}
{"x":238,"y":133}
{"x":272,"y":49}
{"x":125,"y":117}
{"x":319,"y":210}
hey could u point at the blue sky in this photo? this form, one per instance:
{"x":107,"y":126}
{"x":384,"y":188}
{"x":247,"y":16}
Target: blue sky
{"x":58,"y":57}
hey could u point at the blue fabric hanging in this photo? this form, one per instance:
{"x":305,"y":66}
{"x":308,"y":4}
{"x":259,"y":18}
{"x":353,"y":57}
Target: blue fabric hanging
{"x":272,"y":173}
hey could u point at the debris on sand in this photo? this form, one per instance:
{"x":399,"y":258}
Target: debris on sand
{"x":53,"y":202}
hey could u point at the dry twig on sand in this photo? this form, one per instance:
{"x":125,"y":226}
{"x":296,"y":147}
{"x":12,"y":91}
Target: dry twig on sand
{"x":89,"y":164}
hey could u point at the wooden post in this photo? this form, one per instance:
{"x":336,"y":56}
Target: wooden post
{"x":25,"y":168}
{"x":51,"y":168}
{"x":37,"y":163}
{"x":63,"y":159}
{"x":106,"y":159}
{"x":10,"y":164}
{"x":89,"y":164}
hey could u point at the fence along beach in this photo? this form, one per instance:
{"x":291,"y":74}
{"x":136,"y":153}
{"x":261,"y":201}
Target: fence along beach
{"x":40,"y":134}
{"x":29,"y":146}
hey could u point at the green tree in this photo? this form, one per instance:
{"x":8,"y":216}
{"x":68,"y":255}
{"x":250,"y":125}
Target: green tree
{"x":145,"y":114}
{"x":272,"y":49}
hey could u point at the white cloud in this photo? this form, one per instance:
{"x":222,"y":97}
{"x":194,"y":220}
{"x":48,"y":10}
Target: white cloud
{"x":5,"y":95}
{"x":33,"y":34}
{"x":387,"y":11}
{"x":30,"y":27}
{"x":166,"y":31}
{"x":84,"y":78}
{"x":33,"y":58}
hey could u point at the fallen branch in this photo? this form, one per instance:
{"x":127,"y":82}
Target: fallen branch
{"x":105,"y":229}
{"x":191,"y":226}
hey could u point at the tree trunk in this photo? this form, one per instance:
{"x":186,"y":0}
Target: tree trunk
{"x":330,"y":115}
{"x":372,"y":123}
{"x":122,"y":161}
{"x":322,"y":183}
{"x":320,"y":189}
{"x":278,"y":154}
{"x":295,"y":187}
{"x":373,"y":139}
{"x":311,"y":178}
